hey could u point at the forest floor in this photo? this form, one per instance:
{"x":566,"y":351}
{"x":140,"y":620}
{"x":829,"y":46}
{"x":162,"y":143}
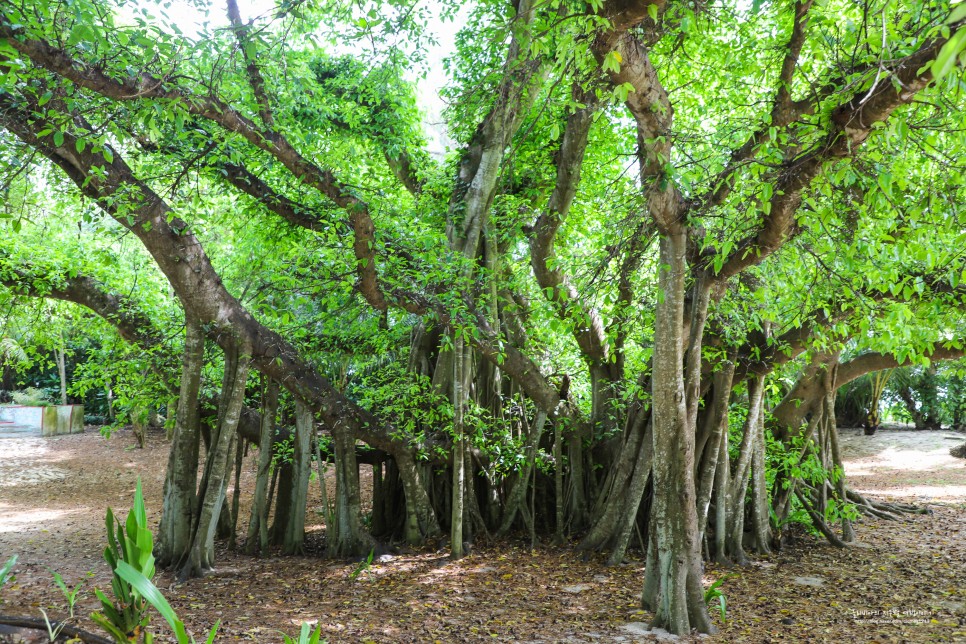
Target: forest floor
{"x":902,"y":582}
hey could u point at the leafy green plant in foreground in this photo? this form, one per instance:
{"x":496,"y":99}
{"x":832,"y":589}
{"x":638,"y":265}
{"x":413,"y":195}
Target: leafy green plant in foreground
{"x":126,"y":616}
{"x":304,"y":636}
{"x":714,"y":593}
{"x":5,"y":575}
{"x":150,"y":593}
{"x":54,"y":628}
{"x":129,"y":553}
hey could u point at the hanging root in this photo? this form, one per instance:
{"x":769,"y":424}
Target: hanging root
{"x":819,"y":522}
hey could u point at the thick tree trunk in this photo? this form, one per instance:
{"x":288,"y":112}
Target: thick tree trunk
{"x":678,"y":600}
{"x":301,"y":468}
{"x":181,"y":477}
{"x":257,"y":541}
{"x":201,"y":556}
{"x":348,"y":537}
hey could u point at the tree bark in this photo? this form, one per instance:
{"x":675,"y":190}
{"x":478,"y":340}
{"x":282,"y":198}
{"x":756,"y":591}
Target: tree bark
{"x":201,"y":556}
{"x":257,"y":541}
{"x":348,"y":537}
{"x":679,"y":602}
{"x":181,"y":477}
{"x":301,"y":468}
{"x":718,"y":419}
{"x":459,"y":462}
{"x":62,"y":371}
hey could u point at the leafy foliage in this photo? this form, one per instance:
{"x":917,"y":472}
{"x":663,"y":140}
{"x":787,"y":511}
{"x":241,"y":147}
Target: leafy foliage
{"x":129,"y":546}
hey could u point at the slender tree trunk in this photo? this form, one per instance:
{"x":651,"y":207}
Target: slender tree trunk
{"x":109,"y":396}
{"x":735,"y":496}
{"x":632,"y":500}
{"x":722,"y":483}
{"x":181,"y":478}
{"x":61,"y":355}
{"x":759,"y":495}
{"x":718,"y":420}
{"x":421,"y":522}
{"x":558,"y":488}
{"x":323,"y":466}
{"x":613,"y":498}
{"x":236,"y":492}
{"x":459,"y":464}
{"x":282,"y":484}
{"x":848,"y":533}
{"x":578,"y":509}
{"x":518,"y":494}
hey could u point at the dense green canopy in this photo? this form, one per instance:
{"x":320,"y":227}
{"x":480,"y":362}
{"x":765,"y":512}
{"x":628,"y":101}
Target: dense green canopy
{"x":655,"y":225}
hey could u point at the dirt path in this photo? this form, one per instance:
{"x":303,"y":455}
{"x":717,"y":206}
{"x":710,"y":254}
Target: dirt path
{"x":903,"y":582}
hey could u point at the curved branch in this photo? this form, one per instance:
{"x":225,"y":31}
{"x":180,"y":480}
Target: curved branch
{"x":255,"y":78}
{"x":211,"y":108}
{"x":133,"y":325}
{"x":875,"y":361}
{"x":784,"y":109}
{"x":562,"y":294}
{"x":850,"y":125}
{"x":179,"y":254}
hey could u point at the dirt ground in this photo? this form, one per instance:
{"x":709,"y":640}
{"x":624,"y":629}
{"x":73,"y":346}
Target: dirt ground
{"x":903,"y":581}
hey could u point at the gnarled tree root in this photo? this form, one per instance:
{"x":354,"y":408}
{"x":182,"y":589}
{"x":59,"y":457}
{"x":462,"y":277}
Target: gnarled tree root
{"x":882,"y":509}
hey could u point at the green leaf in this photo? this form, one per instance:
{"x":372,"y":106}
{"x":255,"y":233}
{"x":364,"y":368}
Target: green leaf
{"x":957,"y":14}
{"x":612,"y":62}
{"x":946,"y":59}
{"x":58,"y":138}
{"x":214,"y":631}
{"x":150,"y":592}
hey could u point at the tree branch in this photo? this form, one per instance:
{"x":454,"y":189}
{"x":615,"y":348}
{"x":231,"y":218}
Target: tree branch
{"x":874,"y":361}
{"x":849,"y":126}
{"x":146,"y":86}
{"x":255,"y":78}
{"x":588,"y":328}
